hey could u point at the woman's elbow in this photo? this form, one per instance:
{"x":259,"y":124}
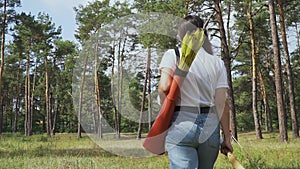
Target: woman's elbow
{"x":164,"y":87}
{"x":165,"y":81}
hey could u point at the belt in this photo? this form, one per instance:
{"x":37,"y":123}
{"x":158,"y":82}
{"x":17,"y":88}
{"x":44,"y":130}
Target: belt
{"x":197,"y":110}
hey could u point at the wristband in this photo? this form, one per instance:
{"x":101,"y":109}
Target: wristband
{"x":180,"y":72}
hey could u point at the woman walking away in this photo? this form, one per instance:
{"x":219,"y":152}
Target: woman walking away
{"x":193,"y":140}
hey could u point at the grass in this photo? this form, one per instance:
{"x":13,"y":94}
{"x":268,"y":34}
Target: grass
{"x":65,"y":151}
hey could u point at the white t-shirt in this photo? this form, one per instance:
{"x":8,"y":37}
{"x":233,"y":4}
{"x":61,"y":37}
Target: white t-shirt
{"x":206,"y":74}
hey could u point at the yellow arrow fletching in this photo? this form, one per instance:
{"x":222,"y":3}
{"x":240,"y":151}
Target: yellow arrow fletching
{"x":190,"y":46}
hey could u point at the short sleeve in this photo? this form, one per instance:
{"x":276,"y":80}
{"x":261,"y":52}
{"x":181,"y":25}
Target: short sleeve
{"x":168,"y":60}
{"x":222,"y":78}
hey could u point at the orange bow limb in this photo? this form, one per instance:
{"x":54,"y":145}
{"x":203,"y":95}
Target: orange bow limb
{"x":155,"y":140}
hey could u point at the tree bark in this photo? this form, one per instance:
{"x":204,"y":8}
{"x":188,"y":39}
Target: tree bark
{"x":268,"y":120}
{"x":278,"y":77}
{"x":227,"y":61}
{"x":98,"y":94}
{"x":120,"y":84}
{"x":47,"y":97}
{"x":112,"y":85}
{"x":139,"y":134}
{"x":254,"y":73}
{"x":149,"y":89}
{"x":30,"y":118}
{"x":2,"y":62}
{"x":56,"y":115}
{"x":17,"y":109}
{"x":290,"y":77}
{"x":298,"y":38}
{"x":27,"y":95}
{"x":81,"y":98}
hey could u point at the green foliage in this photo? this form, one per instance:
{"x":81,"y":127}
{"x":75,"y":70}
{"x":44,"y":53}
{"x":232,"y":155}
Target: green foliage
{"x":90,"y":20}
{"x":166,"y":27}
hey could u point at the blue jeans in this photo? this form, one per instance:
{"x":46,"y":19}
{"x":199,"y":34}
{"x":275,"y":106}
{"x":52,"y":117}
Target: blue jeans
{"x":193,"y":140}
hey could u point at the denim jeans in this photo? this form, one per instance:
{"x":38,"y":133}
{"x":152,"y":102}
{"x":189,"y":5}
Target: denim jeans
{"x":193,"y":140}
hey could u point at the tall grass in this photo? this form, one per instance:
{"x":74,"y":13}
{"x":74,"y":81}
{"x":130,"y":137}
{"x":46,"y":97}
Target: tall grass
{"x":66,"y":151}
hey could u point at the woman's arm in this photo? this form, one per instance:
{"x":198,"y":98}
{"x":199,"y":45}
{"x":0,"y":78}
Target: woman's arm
{"x":222,"y":107}
{"x":164,"y":83}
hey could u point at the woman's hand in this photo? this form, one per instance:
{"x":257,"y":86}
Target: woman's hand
{"x":226,"y":147}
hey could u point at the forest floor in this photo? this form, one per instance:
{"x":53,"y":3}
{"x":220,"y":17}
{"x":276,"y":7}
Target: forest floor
{"x":65,"y":151}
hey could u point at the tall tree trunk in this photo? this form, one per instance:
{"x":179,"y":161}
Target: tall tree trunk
{"x":112,"y":86}
{"x":254,"y":73}
{"x":30,"y":117}
{"x":298,"y":38}
{"x":79,"y":114}
{"x":47,"y":97}
{"x":120,"y":86}
{"x":149,"y":88}
{"x":98,"y":94}
{"x":227,"y":61}
{"x":139,"y":134}
{"x":95,"y":121}
{"x":56,"y":114}
{"x":265,"y":103}
{"x":2,"y":62}
{"x":278,"y":77}
{"x":17,"y":109}
{"x":27,"y":96}
{"x":290,"y":77}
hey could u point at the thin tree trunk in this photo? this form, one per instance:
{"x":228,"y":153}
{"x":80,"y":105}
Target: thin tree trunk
{"x":95,"y":121}
{"x":30,"y":118}
{"x":139,"y":134}
{"x":27,"y":95}
{"x":227,"y":61}
{"x":254,"y":73}
{"x":265,"y":102}
{"x":119,"y":108}
{"x":16,"y":118}
{"x":81,"y":98}
{"x":120,"y":85}
{"x":290,"y":77}
{"x":112,"y":85}
{"x":98,"y":94}
{"x":278,"y":77}
{"x":2,"y":62}
{"x":47,"y":96}
{"x":149,"y":89}
{"x":297,"y":35}
{"x":56,"y":114}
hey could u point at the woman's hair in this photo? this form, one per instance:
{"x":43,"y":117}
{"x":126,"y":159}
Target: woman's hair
{"x":189,"y":24}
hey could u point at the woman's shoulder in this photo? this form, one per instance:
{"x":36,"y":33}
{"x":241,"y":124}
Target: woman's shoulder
{"x":169,"y":59}
{"x":170,"y":55}
{"x":213,"y":58}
